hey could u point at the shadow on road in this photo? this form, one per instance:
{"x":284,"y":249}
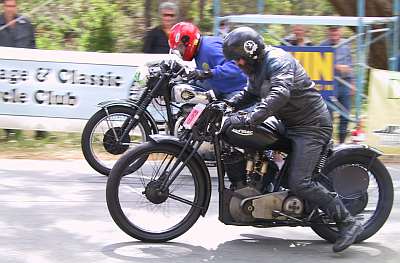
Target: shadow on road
{"x":250,"y":248}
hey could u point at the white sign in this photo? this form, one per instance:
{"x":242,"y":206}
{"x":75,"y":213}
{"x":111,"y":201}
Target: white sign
{"x":43,"y":84}
{"x":62,"y":90}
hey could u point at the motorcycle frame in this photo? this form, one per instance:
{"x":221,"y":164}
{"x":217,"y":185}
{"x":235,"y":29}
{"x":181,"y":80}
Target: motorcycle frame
{"x":141,"y":109}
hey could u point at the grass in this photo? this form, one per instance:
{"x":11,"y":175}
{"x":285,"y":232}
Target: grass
{"x":56,"y":145}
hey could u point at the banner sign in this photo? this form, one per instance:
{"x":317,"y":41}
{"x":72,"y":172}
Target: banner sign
{"x":40,"y":89}
{"x":383,"y":123}
{"x":318,"y":61}
{"x":62,"y":90}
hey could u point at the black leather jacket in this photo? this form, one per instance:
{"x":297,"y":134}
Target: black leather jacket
{"x":284,"y":90}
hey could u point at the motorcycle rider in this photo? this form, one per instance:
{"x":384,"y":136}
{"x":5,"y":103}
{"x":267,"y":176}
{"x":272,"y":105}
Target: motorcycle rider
{"x":284,"y":90}
{"x":223,"y":76}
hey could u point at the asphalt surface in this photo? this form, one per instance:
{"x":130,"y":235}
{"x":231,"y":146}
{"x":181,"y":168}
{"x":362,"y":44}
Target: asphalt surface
{"x":55,"y":211}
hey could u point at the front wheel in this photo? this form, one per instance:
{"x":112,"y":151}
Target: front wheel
{"x":366,"y":190}
{"x":140,"y":205}
{"x":100,"y":137}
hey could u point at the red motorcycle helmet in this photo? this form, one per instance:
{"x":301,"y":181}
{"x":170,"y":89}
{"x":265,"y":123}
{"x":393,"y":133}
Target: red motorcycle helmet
{"x":184,"y":37}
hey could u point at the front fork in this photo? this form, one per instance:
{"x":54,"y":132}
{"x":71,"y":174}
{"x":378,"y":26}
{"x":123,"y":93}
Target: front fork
{"x":179,"y":164}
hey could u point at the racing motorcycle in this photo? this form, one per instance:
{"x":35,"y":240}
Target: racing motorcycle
{"x":162,"y":198}
{"x":123,"y":124}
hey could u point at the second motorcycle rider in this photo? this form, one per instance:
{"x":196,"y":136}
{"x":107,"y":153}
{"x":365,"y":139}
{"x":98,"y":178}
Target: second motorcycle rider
{"x":223,"y":76}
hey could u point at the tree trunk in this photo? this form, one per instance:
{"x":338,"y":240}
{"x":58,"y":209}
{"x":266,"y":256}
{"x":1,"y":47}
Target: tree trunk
{"x":201,"y":9}
{"x":184,"y":7}
{"x":147,"y":13}
{"x":379,"y":8}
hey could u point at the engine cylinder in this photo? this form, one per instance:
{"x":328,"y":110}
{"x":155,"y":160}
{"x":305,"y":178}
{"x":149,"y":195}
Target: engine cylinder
{"x":235,"y":167}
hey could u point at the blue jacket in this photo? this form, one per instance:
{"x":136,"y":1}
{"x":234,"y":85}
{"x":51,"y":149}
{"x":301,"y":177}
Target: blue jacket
{"x":227,"y":77}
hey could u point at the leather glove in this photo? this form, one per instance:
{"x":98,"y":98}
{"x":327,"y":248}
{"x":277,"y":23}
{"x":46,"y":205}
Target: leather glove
{"x":198,"y":74}
{"x":230,"y":103}
{"x":239,"y":121}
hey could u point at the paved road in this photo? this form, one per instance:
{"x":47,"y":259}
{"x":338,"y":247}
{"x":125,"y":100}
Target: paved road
{"x":55,"y":211}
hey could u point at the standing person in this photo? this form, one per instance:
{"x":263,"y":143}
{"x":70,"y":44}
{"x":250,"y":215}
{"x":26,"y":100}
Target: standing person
{"x":343,"y":69}
{"x":298,"y":36}
{"x":286,"y":92}
{"x":16,"y":31}
{"x":223,"y":28}
{"x":156,"y":40}
{"x":223,"y":76}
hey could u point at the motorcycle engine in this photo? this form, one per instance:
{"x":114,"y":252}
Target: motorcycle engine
{"x":254,"y":198}
{"x":248,"y":205}
{"x":293,"y":206}
{"x":239,"y":212}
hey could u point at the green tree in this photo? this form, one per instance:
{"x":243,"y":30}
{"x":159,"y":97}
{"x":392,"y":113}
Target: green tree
{"x":100,"y":31}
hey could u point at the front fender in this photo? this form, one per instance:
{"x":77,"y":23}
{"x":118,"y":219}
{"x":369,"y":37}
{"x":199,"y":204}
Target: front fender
{"x":117,"y":102}
{"x":130,"y":104}
{"x":157,"y":138}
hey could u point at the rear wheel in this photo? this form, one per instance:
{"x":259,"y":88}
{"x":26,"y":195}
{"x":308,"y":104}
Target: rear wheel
{"x":365,"y":189}
{"x":138,"y":203}
{"x":100,"y":136}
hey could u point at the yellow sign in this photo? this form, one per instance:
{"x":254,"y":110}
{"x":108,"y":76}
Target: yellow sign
{"x":318,"y":62}
{"x":317,"y":65}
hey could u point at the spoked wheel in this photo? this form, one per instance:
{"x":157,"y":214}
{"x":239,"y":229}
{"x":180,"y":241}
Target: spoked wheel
{"x":101,"y":140}
{"x":140,"y":202}
{"x":365,"y":189}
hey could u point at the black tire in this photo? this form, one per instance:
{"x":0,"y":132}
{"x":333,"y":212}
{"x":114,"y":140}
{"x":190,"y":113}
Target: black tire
{"x":385,"y":196}
{"x":98,"y":156}
{"x":131,"y":217}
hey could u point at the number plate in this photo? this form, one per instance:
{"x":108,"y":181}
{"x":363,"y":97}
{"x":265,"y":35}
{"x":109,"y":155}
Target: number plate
{"x":193,"y":116}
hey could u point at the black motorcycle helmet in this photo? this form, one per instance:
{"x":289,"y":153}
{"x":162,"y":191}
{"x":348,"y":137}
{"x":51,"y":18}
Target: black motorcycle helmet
{"x":245,"y":43}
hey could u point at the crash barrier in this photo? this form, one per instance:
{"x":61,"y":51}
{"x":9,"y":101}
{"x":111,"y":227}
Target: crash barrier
{"x":383,"y":119}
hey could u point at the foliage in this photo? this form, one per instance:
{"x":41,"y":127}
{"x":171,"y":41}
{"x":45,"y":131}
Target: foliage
{"x":118,"y":25}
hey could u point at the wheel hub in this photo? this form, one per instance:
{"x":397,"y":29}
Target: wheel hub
{"x":154,"y":193}
{"x":110,"y":141}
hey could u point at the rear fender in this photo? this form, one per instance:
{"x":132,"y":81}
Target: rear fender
{"x":157,"y":138}
{"x":130,"y":104}
{"x":349,"y":150}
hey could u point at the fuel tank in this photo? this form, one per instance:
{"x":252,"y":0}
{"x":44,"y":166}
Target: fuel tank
{"x":268,"y":135}
{"x":186,"y":93}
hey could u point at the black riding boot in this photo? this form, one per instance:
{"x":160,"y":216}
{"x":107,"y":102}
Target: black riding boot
{"x":349,"y":227}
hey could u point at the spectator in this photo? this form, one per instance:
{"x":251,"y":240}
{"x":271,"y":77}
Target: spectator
{"x":156,"y":40}
{"x":224,"y":28}
{"x":224,"y":77}
{"x":298,"y":37}
{"x":343,"y":69}
{"x":16,"y":31}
